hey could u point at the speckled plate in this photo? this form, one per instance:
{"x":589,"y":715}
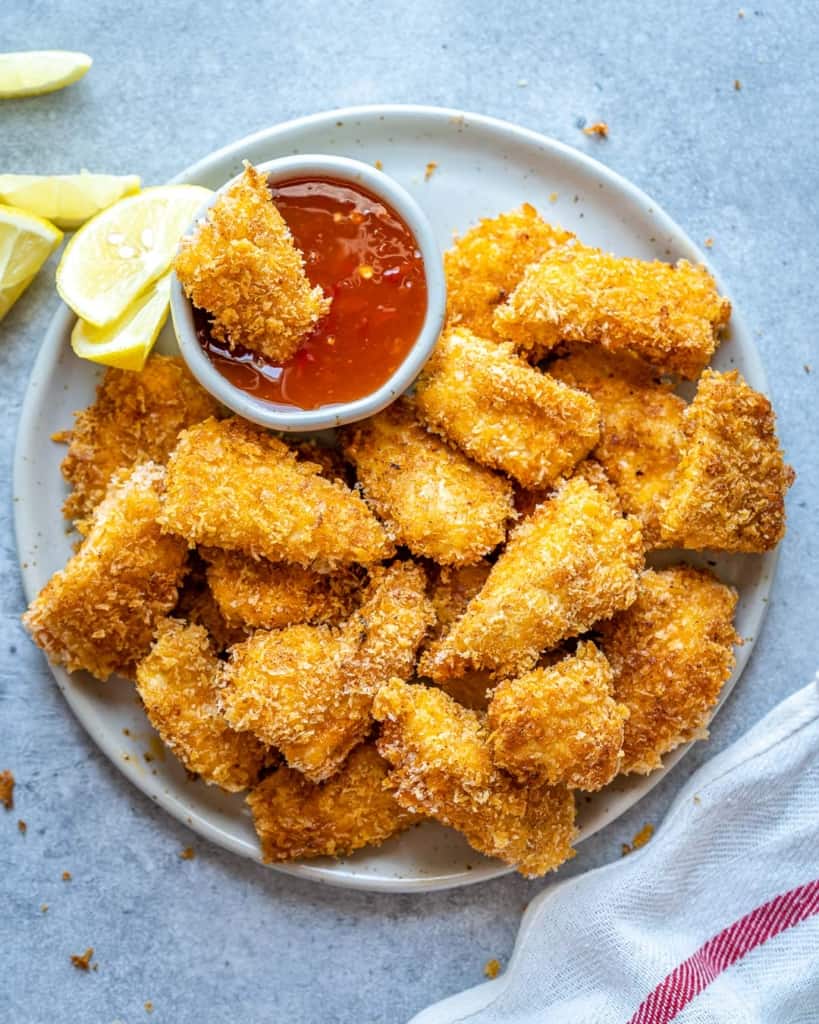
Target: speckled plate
{"x":484,"y":166}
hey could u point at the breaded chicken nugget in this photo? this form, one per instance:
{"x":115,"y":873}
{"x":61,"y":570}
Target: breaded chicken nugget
{"x":503,"y":412}
{"x":178,"y":684}
{"x":298,"y":818}
{"x":235,"y":486}
{"x":434,"y":499}
{"x":442,"y":768}
{"x":100,"y":611}
{"x":256,"y":593}
{"x":728,"y":492}
{"x":484,"y":266}
{"x":671,"y":652}
{"x":197,"y":606}
{"x":136,"y":418}
{"x":641,"y":436}
{"x":668,"y":315}
{"x":573,"y":561}
{"x":559,"y":724}
{"x":242,"y":266}
{"x":308,"y":690}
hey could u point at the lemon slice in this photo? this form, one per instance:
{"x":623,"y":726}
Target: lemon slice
{"x":114,"y":257}
{"x":26,"y":242}
{"x":126,"y":342}
{"x":67,"y":200}
{"x":36,"y":71}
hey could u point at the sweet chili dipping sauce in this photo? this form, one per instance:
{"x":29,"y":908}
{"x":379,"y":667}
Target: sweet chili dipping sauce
{"x":366,"y":259}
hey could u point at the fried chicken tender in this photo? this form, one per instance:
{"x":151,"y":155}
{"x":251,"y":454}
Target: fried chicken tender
{"x":573,"y":561}
{"x":503,"y":412}
{"x":235,"y":486}
{"x":671,"y":652}
{"x":667,"y":315}
{"x":178,"y":684}
{"x":442,"y":768}
{"x":641,"y":435}
{"x":197,"y":606}
{"x":308,"y":690}
{"x":484,"y":266}
{"x":434,"y":499}
{"x":255,"y":593}
{"x":242,"y":266}
{"x":559,"y":724}
{"x":100,"y":611}
{"x":728,"y":492}
{"x":136,"y":418}
{"x":298,"y":818}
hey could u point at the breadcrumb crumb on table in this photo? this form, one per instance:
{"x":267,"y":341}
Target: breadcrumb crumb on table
{"x":242,"y":266}
{"x":599,"y":128}
{"x":728,"y":491}
{"x":668,"y":315}
{"x":503,"y":412}
{"x":671,"y":652}
{"x":22,"y":827}
{"x":7,"y":782}
{"x":83,"y":961}
{"x":492,"y":968}
{"x":187,"y":854}
{"x":298,"y":818}
{"x":441,"y":767}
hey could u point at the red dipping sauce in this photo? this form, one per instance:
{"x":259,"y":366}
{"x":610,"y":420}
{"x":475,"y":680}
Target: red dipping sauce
{"x":367,"y":260}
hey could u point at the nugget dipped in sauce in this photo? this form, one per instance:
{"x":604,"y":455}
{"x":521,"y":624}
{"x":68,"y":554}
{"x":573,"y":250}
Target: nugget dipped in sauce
{"x":242,"y":266}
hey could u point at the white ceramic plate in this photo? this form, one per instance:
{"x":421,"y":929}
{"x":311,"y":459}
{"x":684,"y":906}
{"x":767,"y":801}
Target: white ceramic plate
{"x":484,"y":166}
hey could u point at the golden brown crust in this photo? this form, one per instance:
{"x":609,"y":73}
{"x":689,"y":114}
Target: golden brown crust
{"x":308,"y":690}
{"x":100,"y":611}
{"x":298,"y":818}
{"x":178,"y":684}
{"x":484,"y":266}
{"x":442,"y":768}
{"x":503,"y":412}
{"x":728,"y":492}
{"x":671,"y":652}
{"x":242,"y":266}
{"x":559,"y":724}
{"x":256,"y":593}
{"x":136,"y":417}
{"x":641,"y":435}
{"x":668,"y":315}
{"x":573,"y":561}
{"x":435,"y":500}
{"x":235,"y":486}
{"x":197,"y":606}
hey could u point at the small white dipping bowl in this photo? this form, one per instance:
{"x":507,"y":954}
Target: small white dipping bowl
{"x":289,"y":418}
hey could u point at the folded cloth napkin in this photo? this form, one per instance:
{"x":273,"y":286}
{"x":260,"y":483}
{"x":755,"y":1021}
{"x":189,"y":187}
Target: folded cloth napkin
{"x":716,"y":920}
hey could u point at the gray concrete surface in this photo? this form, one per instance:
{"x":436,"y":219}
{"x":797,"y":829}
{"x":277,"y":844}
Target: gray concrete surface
{"x":216,"y":939}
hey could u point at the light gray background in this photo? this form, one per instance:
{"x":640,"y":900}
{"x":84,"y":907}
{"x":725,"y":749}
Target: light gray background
{"x":217,"y":939}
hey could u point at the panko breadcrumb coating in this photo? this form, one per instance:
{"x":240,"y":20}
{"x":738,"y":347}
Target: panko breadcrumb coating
{"x":255,"y":593}
{"x":573,"y":561}
{"x":641,"y":436}
{"x":235,"y":486}
{"x":729,"y":488}
{"x":671,"y":652}
{"x":503,"y":412}
{"x":308,"y":690}
{"x":435,"y":500}
{"x":298,"y":818}
{"x":100,"y":611}
{"x":136,"y":418}
{"x":178,"y":684}
{"x":442,"y":768}
{"x":667,"y":315}
{"x":242,"y":266}
{"x":197,"y":606}
{"x":483,"y":267}
{"x":559,"y":724}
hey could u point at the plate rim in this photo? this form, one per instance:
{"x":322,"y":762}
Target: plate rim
{"x":48,"y":352}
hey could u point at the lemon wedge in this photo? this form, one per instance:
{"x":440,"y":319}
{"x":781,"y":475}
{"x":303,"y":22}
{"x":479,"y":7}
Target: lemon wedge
{"x":26,"y":242}
{"x":126,"y":342}
{"x":37,"y":71}
{"x":67,"y":200}
{"x":115,"y":256}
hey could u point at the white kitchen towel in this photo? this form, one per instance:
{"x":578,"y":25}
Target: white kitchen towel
{"x":715,"y":921}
